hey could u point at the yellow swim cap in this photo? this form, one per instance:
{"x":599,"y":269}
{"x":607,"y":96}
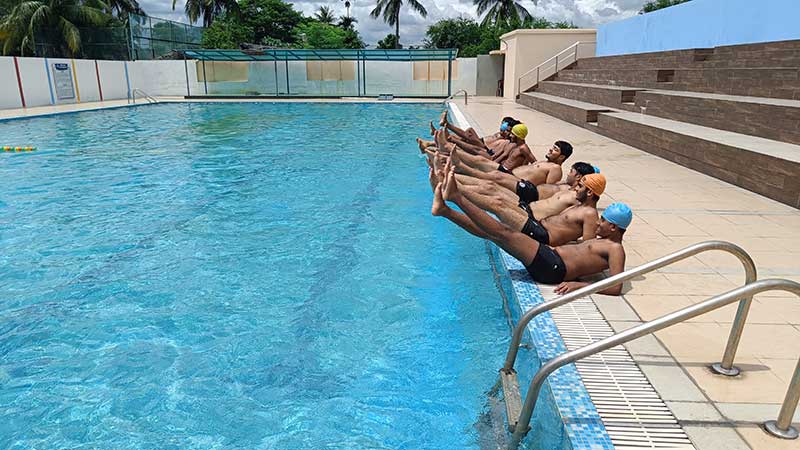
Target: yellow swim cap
{"x":520,"y":130}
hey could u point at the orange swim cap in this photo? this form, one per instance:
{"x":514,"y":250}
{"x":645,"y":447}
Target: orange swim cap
{"x":596,"y":183}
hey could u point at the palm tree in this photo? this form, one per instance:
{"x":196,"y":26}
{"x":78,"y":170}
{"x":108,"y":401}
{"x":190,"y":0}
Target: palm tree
{"x":325,"y":15}
{"x":208,"y":9}
{"x":502,"y":11}
{"x":347,"y":22}
{"x":391,"y":13}
{"x":121,"y":8}
{"x":58,"y":20}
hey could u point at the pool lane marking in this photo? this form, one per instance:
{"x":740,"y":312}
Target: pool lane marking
{"x":99,"y":86}
{"x":49,"y":82}
{"x":19,"y":82}
{"x":75,"y":77}
{"x":127,"y":79}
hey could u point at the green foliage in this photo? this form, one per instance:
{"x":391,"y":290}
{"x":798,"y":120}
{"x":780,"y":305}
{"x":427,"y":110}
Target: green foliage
{"x":322,"y":35}
{"x":500,"y":12}
{"x":660,"y":4}
{"x":472,"y":39}
{"x":389,"y":10}
{"x":270,"y":19}
{"x":209,"y":10}
{"x":325,"y":15}
{"x":54,"y":21}
{"x":227,"y":33}
{"x":389,"y":42}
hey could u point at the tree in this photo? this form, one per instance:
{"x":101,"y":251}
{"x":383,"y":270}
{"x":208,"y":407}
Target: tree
{"x":501,"y":11}
{"x":390,"y":10}
{"x":56,"y":21}
{"x":347,"y":22}
{"x":207,"y":9}
{"x":227,"y":32}
{"x":325,"y":15}
{"x":659,"y":4}
{"x":389,"y":42}
{"x":321,"y":35}
{"x":454,"y":33}
{"x":121,"y":8}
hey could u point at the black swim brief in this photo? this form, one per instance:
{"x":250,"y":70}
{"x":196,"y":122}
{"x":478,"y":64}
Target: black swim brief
{"x":547,"y":266}
{"x":502,"y":168}
{"x":527,"y":191}
{"x":533,"y":228}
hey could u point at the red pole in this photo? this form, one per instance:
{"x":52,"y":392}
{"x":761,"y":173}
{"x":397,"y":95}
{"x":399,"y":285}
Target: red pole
{"x":99,"y":87}
{"x":19,"y":82}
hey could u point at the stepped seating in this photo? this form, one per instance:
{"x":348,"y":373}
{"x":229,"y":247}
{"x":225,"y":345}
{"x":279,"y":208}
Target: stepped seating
{"x":731,"y":112}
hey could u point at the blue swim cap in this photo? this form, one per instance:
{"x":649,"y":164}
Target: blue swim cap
{"x":504,"y":126}
{"x":619,"y":214}
{"x":596,"y":169}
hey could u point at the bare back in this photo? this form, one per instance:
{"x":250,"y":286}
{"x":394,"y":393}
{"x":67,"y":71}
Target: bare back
{"x":540,"y":172}
{"x":554,"y":205}
{"x":589,"y":257}
{"x":570,"y":224}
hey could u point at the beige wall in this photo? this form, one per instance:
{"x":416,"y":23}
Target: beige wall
{"x":526,"y":49}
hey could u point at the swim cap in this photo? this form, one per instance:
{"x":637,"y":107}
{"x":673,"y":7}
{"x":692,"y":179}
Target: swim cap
{"x":504,"y":126}
{"x":596,"y":169}
{"x":619,"y":214}
{"x":520,"y":131}
{"x":595,"y":182}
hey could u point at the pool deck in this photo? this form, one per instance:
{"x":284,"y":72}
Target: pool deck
{"x":673,"y":208}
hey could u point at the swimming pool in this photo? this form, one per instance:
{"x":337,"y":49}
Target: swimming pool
{"x":238,"y":275}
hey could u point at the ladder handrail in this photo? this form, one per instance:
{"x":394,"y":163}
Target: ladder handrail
{"x":460,"y":91}
{"x":573,"y":48}
{"x":783,"y":424}
{"x":148,"y":97}
{"x":736,"y":330}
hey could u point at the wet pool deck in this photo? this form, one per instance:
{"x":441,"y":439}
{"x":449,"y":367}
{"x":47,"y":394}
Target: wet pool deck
{"x":673,"y":208}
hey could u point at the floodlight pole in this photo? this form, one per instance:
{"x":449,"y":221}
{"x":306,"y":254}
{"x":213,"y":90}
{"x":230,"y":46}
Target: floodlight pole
{"x":449,"y":72}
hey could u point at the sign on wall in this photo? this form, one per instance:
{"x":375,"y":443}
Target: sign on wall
{"x":62,"y":79}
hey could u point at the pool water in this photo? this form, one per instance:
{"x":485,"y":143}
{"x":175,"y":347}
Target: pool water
{"x":238,"y":275}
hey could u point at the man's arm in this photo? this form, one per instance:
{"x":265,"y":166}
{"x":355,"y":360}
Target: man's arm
{"x":590,"y":224}
{"x":616,"y":265}
{"x":553,"y":175}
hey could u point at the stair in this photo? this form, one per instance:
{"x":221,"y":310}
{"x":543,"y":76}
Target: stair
{"x":730,"y":112}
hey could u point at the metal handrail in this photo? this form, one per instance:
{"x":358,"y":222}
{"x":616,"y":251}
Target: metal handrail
{"x":782,"y":427}
{"x":145,"y":95}
{"x":736,"y":330}
{"x":460,"y":91}
{"x":572,"y":48}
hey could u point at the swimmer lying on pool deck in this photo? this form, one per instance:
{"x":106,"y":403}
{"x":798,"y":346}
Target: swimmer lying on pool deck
{"x":560,"y":265}
{"x":509,"y":154}
{"x":489,"y":144}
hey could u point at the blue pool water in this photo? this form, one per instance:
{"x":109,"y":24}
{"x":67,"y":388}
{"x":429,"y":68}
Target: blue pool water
{"x":238,"y":276}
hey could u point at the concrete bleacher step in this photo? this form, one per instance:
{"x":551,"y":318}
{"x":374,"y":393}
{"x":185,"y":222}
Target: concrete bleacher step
{"x":765,"y":166}
{"x":773,"y":82}
{"x":776,"y":119}
{"x":573,"y":111}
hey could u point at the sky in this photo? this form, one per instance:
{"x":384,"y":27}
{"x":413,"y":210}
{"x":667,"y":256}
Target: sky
{"x":583,"y":13}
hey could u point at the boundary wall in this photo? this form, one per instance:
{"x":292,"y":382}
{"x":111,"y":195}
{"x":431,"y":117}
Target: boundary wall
{"x":30,"y":82}
{"x":701,"y":24}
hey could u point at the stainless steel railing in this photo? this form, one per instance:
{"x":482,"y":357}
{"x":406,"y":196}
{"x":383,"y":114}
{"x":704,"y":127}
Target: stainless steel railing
{"x":550,"y":66}
{"x":780,"y":427}
{"x":142,"y":94}
{"x":738,"y":325}
{"x":460,"y":91}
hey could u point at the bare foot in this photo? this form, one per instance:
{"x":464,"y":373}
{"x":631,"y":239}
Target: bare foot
{"x":443,"y":119}
{"x":450,"y":192}
{"x":433,"y":128}
{"x":439,"y":207}
{"x":455,"y":158}
{"x":422,"y":145}
{"x":433,"y":178}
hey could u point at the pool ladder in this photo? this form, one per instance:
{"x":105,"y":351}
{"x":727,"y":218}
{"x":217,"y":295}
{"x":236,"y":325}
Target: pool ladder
{"x":519,"y":414}
{"x":460,"y":91}
{"x":142,"y":94}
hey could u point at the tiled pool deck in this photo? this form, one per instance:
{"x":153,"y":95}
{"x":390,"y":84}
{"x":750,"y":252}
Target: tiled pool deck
{"x":673,"y":208}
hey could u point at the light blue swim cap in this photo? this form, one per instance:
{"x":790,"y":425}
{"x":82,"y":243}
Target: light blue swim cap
{"x":619,"y":214}
{"x":596,"y":169}
{"x":504,"y":126}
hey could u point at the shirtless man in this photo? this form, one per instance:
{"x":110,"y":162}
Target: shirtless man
{"x":470,"y":136}
{"x":577,"y":218}
{"x":548,"y":171}
{"x":560,"y":265}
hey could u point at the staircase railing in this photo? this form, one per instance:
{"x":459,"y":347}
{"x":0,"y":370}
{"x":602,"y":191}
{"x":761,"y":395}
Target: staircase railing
{"x":548,"y":68}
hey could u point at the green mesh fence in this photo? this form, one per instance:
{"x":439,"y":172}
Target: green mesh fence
{"x":152,"y":38}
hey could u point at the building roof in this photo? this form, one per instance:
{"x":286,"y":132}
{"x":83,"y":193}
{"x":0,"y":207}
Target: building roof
{"x":283,"y":54}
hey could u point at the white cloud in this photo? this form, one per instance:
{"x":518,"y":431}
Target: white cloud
{"x":583,"y":13}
